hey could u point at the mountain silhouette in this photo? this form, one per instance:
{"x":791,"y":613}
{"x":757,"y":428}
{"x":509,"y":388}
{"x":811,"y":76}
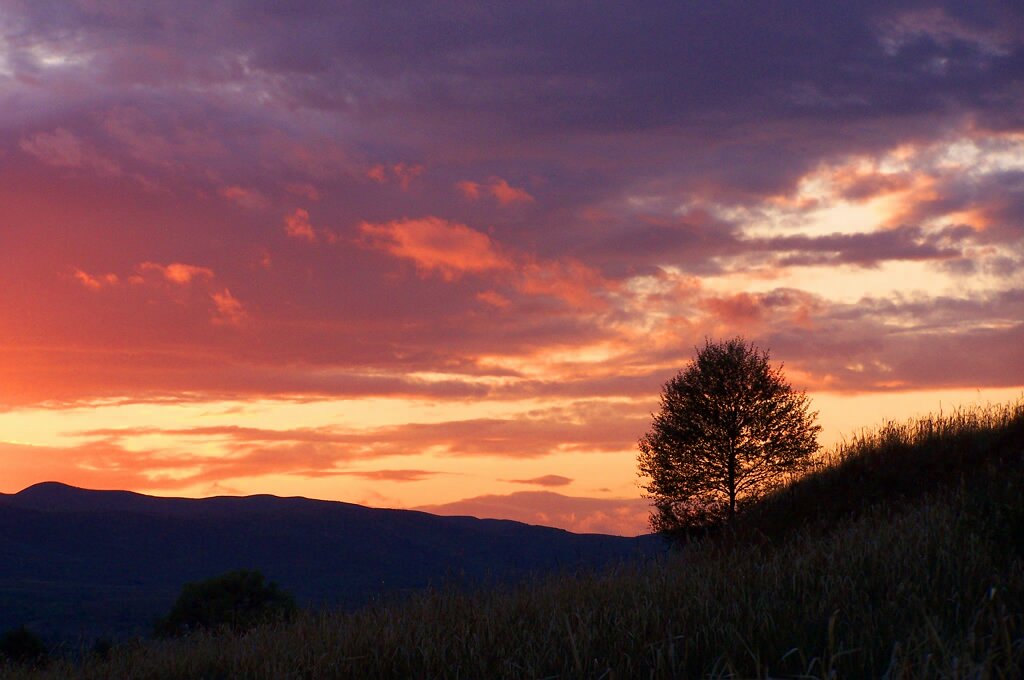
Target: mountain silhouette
{"x":77,"y":564}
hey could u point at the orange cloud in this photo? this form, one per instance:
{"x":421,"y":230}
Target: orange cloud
{"x":451,"y":249}
{"x":568,"y":280}
{"x":437,"y":246}
{"x":95,"y":282}
{"x":229,"y":309}
{"x":297,"y":225}
{"x":500,"y":189}
{"x":177,"y":272}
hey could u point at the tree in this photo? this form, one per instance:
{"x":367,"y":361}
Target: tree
{"x":730,"y":428}
{"x":238,"y":600}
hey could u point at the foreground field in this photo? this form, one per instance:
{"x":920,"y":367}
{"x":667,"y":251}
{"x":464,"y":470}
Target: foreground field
{"x":901,"y":557}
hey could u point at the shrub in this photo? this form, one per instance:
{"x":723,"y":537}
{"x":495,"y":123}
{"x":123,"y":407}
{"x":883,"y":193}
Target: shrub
{"x":22,"y":646}
{"x":237,"y":600}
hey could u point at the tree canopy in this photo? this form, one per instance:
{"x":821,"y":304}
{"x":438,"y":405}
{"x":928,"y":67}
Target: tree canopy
{"x":729,"y":428}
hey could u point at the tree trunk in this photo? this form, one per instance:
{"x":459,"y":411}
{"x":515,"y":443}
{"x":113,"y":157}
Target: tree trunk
{"x":732,"y":481}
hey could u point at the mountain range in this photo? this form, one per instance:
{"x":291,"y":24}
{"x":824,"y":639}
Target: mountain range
{"x":77,"y":564}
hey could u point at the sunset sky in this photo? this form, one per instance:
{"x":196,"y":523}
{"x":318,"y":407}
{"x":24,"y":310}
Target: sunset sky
{"x":445,"y":256}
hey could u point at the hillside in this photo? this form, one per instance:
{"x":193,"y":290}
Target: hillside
{"x":902,"y":556}
{"x":80,"y":564}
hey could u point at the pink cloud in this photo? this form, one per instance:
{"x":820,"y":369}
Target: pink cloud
{"x":470,"y":190}
{"x":297,"y":225}
{"x":507,"y":194}
{"x":403,"y":173}
{"x":493,"y":298}
{"x":247,"y":198}
{"x":498,"y":188}
{"x":738,"y":309}
{"x":305,"y":190}
{"x":62,"y":148}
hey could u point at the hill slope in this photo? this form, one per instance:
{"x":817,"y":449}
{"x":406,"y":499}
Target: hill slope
{"x":89,"y":563}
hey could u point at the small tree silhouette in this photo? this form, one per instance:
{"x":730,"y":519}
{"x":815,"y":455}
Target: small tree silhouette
{"x":729,"y":427}
{"x":237,"y":600}
{"x":22,"y":646}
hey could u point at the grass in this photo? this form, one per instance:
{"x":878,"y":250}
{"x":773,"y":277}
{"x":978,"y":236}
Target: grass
{"x":901,"y":556}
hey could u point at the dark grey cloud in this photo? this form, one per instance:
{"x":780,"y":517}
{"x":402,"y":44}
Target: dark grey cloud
{"x":868,"y":249}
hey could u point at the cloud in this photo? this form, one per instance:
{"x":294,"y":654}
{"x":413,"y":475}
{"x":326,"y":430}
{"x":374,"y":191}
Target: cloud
{"x":500,"y":189}
{"x":177,"y":272}
{"x":582,"y":427}
{"x":394,"y":475}
{"x":97,"y":282}
{"x":453,"y":250}
{"x":905,"y":243}
{"x":470,"y":190}
{"x":676,"y":202}
{"x":305,"y":190}
{"x":437,"y":246}
{"x":229,"y":309}
{"x":247,"y":198}
{"x":64,"y":149}
{"x":506,"y":194}
{"x":403,"y":173}
{"x":546,"y":480}
{"x":297,"y":225}
{"x":618,"y":516}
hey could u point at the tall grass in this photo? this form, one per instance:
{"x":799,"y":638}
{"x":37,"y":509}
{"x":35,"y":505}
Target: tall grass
{"x":922,"y":577}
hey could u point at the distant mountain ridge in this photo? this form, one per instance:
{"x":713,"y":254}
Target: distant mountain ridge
{"x":78,"y":563}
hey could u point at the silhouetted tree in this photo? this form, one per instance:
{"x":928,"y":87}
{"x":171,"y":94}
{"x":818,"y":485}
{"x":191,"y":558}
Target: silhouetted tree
{"x":729,"y":428}
{"x":22,"y":646}
{"x":238,"y":600}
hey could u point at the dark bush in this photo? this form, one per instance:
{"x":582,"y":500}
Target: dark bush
{"x":20,"y":645}
{"x":237,"y":600}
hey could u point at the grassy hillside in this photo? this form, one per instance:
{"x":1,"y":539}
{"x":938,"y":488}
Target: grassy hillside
{"x":901,"y":556}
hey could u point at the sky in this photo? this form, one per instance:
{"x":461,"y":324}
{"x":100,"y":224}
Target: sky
{"x":445,"y":255}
